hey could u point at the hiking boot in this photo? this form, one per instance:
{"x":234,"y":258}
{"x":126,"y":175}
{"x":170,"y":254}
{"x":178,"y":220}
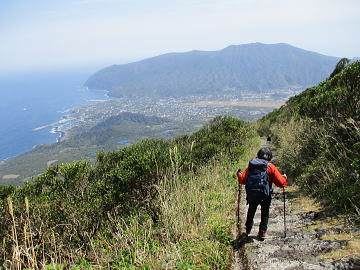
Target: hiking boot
{"x":248,"y":230}
{"x":244,"y":235}
{"x":261,"y":235}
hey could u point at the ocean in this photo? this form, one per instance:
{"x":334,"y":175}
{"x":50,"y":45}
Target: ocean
{"x":34,"y":99}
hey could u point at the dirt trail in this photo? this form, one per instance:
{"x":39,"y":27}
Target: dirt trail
{"x":305,"y":240}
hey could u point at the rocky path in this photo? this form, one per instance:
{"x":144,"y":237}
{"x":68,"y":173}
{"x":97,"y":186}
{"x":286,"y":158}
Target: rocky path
{"x":310,"y":238}
{"x":313,"y":241}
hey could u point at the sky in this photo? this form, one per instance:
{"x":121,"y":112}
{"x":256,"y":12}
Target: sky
{"x":41,"y":34}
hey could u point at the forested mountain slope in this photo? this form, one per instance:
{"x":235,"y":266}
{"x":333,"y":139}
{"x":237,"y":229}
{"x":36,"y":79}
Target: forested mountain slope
{"x":254,"y":67}
{"x":317,"y":134}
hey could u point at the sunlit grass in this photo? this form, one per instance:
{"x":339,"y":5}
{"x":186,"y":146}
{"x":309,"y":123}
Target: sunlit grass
{"x":351,"y":249}
{"x":304,"y":204}
{"x":156,"y":205}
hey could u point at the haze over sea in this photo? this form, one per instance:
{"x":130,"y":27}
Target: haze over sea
{"x":33,"y":99}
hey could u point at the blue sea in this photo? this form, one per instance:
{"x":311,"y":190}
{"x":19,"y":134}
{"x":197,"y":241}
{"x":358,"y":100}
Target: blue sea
{"x":32,"y":99}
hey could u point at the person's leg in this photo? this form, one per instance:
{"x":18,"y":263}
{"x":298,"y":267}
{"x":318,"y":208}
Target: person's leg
{"x":253,"y":200}
{"x":250,"y":216}
{"x":265,"y":209}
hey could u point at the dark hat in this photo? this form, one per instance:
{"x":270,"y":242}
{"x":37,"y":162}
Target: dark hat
{"x":264,"y":153}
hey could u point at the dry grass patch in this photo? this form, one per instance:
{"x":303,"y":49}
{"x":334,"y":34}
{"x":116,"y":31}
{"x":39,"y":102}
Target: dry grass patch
{"x":351,"y":250}
{"x":304,"y":204}
{"x":341,"y":236}
{"x":292,"y":189}
{"x":327,"y":224}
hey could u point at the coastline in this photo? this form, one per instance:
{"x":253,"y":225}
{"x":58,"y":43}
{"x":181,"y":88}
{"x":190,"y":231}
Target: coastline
{"x":61,"y":136}
{"x":50,"y":95}
{"x":66,"y":122}
{"x":55,"y":126}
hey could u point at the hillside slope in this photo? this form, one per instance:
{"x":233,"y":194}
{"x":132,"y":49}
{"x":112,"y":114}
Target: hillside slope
{"x":252,"y":67}
{"x":123,"y":212}
{"x":317,"y":135}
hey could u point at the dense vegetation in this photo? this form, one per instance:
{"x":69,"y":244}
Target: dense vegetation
{"x":156,"y":204}
{"x":251,"y":67}
{"x":317,"y":135}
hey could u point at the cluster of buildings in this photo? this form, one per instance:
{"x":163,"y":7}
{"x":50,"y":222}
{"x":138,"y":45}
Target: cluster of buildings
{"x":201,"y":108}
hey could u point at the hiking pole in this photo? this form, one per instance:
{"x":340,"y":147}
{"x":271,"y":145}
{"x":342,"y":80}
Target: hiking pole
{"x":283,"y":172}
{"x":238,"y":209}
{"x":238,"y":206}
{"x":284,"y":213}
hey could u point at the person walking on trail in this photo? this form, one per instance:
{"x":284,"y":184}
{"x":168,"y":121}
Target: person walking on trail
{"x":258,"y":179}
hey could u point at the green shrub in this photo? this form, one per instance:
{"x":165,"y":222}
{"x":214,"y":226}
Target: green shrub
{"x":63,"y":210}
{"x":317,"y":137}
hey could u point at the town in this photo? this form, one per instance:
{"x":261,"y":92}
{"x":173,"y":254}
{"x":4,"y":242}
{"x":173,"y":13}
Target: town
{"x":193,"y":109}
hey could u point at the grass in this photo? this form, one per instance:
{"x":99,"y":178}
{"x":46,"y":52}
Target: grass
{"x":350,"y":250}
{"x":305,"y":204}
{"x":196,"y":215}
{"x":327,"y":224}
{"x":193,"y":231}
{"x":352,"y":247}
{"x":341,"y":236}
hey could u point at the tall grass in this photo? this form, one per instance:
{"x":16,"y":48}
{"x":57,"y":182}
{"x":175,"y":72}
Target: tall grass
{"x":156,"y":205}
{"x":193,"y":231}
{"x":323,"y":158}
{"x":196,"y":214}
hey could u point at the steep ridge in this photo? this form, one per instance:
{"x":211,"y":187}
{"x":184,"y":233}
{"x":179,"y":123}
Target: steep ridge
{"x":317,"y":139}
{"x":254,"y":67}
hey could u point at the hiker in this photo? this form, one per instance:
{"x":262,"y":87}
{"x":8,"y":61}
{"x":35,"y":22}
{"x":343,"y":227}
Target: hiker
{"x":258,"y":179}
{"x":268,"y":139}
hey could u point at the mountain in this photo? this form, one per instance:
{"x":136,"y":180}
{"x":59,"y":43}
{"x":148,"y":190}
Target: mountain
{"x":254,"y":67}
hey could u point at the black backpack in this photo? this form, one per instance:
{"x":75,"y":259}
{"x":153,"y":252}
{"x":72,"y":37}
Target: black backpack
{"x":258,"y":177}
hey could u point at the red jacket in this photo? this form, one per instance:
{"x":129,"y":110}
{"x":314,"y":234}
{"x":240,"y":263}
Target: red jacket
{"x":274,"y":176}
